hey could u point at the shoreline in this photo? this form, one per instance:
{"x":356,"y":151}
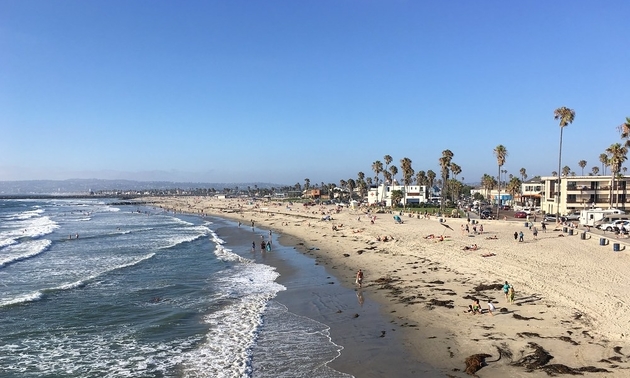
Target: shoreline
{"x":570,"y":309}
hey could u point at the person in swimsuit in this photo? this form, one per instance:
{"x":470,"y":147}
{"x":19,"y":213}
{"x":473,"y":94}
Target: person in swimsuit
{"x":359,"y":279}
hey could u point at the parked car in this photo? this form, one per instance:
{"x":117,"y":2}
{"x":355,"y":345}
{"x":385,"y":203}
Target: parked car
{"x":618,"y":225}
{"x":552,"y":218}
{"x":520,"y":214}
{"x":485,"y":214}
{"x":572,"y":217}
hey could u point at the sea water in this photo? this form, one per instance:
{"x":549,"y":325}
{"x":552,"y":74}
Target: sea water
{"x":89,"y":288}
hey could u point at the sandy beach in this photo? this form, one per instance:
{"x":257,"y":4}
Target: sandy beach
{"x":569,"y":314}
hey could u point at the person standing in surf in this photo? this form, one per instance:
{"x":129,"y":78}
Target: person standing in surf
{"x":359,"y":280}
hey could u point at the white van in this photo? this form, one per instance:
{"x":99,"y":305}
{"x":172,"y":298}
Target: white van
{"x":591,"y":216}
{"x":611,"y":218}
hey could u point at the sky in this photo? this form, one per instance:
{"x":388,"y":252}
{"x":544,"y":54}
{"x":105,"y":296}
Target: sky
{"x":281,"y":91}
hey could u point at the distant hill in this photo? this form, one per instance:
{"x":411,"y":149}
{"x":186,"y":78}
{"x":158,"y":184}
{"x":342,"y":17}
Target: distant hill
{"x":84,"y":186}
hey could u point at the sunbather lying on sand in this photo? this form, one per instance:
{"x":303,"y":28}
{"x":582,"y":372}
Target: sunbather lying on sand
{"x":473,"y":247}
{"x":492,"y":237}
{"x":488,"y":254}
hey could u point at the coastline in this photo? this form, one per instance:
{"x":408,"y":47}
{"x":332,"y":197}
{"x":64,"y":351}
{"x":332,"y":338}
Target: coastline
{"x":571,"y":294}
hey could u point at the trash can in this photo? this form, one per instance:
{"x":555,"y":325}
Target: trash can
{"x":583,"y":236}
{"x":616,"y":247}
{"x":571,"y":232}
{"x":564,"y":229}
{"x":526,"y":224}
{"x":602,"y":241}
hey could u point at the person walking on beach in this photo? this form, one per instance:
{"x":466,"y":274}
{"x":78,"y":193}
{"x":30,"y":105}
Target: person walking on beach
{"x":535,"y":232}
{"x":521,"y":236}
{"x":515,"y":236}
{"x":253,"y":246}
{"x":506,"y":289}
{"x":359,"y":280}
{"x":543,"y":225}
{"x":511,"y":294}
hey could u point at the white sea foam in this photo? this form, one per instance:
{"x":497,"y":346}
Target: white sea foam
{"x":113,"y":355}
{"x":24,"y":215}
{"x":226,"y":352}
{"x":226,"y":254}
{"x":179,"y":239}
{"x":23,"y":251}
{"x":30,"y":227}
{"x":24,"y":298}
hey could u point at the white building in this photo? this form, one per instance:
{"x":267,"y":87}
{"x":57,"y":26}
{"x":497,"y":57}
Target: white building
{"x":411,"y":194}
{"x":582,"y":192}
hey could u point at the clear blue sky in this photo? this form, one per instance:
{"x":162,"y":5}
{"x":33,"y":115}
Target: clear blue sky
{"x":280,"y":91}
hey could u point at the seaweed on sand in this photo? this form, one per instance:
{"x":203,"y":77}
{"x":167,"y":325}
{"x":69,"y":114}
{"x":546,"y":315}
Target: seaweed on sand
{"x":539,"y":358}
{"x":519,"y":317}
{"x":437,"y":302}
{"x":484,"y":287}
{"x":475,"y":362}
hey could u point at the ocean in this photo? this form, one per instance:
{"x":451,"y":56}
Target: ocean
{"x":89,"y":288}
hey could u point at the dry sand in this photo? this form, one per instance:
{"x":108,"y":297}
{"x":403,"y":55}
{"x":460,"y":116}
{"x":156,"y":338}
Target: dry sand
{"x":572,"y":295}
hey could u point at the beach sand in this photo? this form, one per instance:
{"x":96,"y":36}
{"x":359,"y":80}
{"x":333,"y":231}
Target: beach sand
{"x":571,"y":295}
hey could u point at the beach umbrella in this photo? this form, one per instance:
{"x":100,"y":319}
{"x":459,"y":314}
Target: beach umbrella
{"x":447,"y":226}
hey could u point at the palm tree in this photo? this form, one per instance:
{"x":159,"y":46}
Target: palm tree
{"x":393,"y":170}
{"x":566,"y":117}
{"x":603,"y":158}
{"x":582,"y":164}
{"x":342,"y":184}
{"x":408,"y":172}
{"x":388,"y":160}
{"x":456,"y":169}
{"x":431,"y":177}
{"x":624,"y":128}
{"x":361,"y":184}
{"x":377,"y":167}
{"x":421,"y":178}
{"x":351,"y":184}
{"x":487,"y":182}
{"x":445,"y":163}
{"x":514,"y":186}
{"x":523,"y":173}
{"x":501,"y":153}
{"x":617,"y":155}
{"x":595,"y":170}
{"x":566,"y":170}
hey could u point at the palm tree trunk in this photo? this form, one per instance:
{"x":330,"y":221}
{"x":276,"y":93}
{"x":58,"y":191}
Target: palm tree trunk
{"x":499,"y":194}
{"x":559,"y":177}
